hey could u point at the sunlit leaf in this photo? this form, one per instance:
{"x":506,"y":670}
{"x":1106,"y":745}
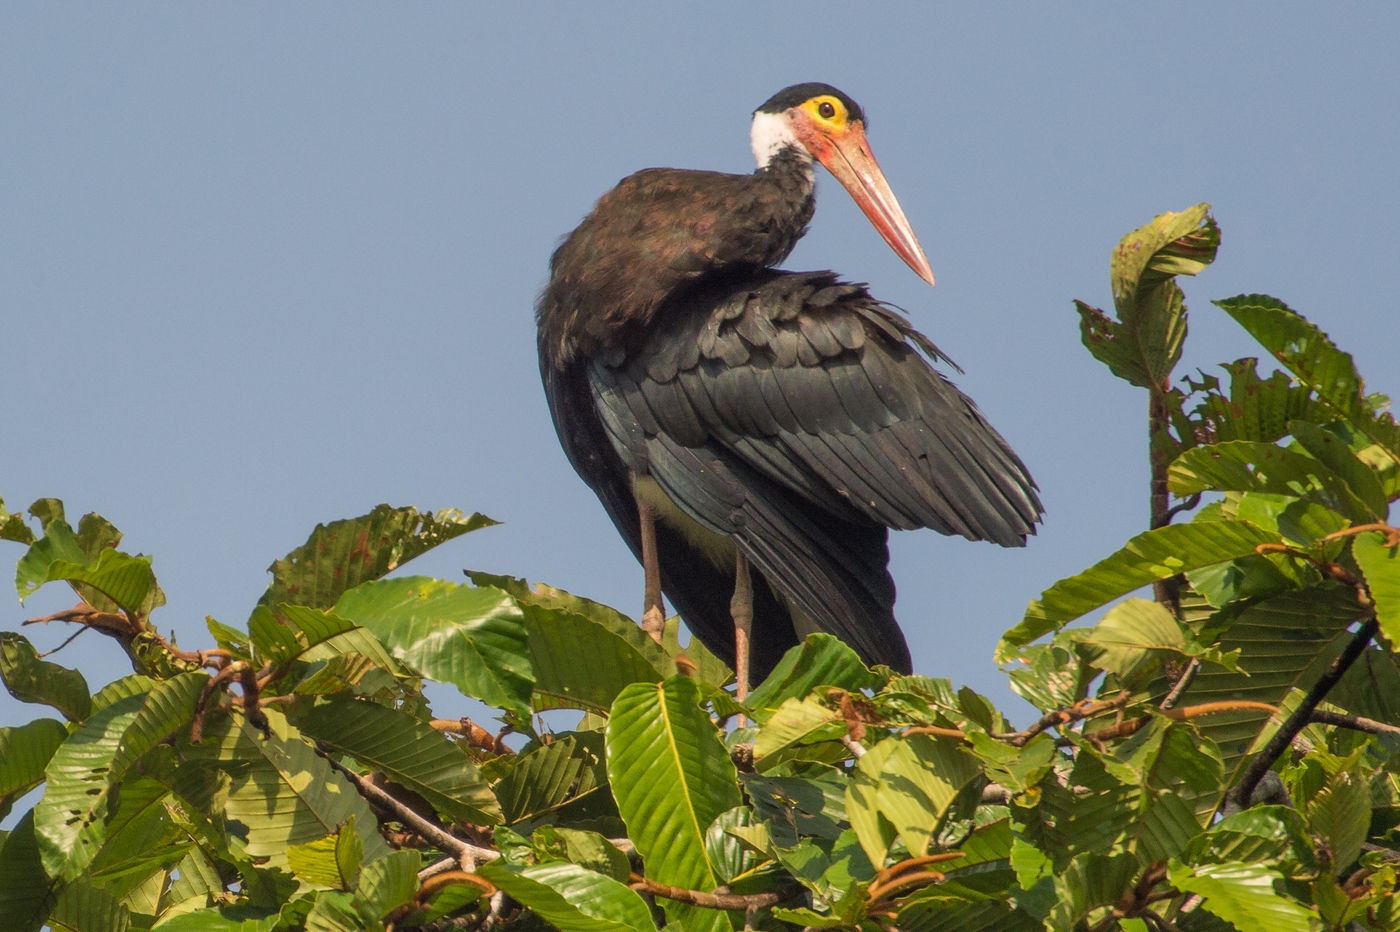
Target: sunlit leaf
{"x":341,"y":555}
{"x":671,"y":777}
{"x":1152,"y":555}
{"x":1144,"y":344}
{"x":409,"y":752}
{"x":1381,"y":567}
{"x":472,"y":638}
{"x":281,"y":792}
{"x":1309,"y":354}
{"x":573,"y":898}
{"x":87,"y":769}
{"x":1243,"y":894}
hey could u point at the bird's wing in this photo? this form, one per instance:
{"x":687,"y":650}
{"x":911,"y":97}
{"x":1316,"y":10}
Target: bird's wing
{"x":823,"y":392}
{"x":698,"y":587}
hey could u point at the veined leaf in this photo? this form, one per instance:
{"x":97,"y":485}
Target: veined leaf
{"x":1340,"y":816}
{"x":1283,"y":642}
{"x":671,"y":777}
{"x":1152,"y":555}
{"x":25,"y":751}
{"x":1243,"y":895}
{"x":1252,"y":408}
{"x":796,"y":721}
{"x":409,"y":752}
{"x":333,"y":861}
{"x":1249,"y":466}
{"x":584,"y":663}
{"x":547,"y":777}
{"x":125,"y":579}
{"x":88,"y":767}
{"x":908,"y":783}
{"x":573,"y":898}
{"x":1381,"y":567}
{"x":26,"y":892}
{"x":282,"y":793}
{"x":1144,"y":344}
{"x":1331,"y":448}
{"x":341,"y":555}
{"x":12,"y":527}
{"x":82,"y":907}
{"x":58,"y":543}
{"x":473,"y":638}
{"x":387,"y":883}
{"x":821,"y":660}
{"x":1309,"y":354}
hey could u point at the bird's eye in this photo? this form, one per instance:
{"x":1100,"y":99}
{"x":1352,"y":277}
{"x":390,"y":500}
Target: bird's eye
{"x":826,"y":110}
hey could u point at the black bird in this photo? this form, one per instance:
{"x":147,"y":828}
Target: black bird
{"x":753,"y":433}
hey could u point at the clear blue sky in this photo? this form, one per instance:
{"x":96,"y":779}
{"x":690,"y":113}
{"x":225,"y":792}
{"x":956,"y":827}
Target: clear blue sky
{"x":264,"y":265}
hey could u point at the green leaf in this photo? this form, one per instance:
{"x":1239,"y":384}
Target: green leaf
{"x":85,"y":908}
{"x":1249,"y":466}
{"x":25,"y":751}
{"x":333,"y":861}
{"x":409,"y":752}
{"x":573,"y":898}
{"x":907,"y":784}
{"x":26,"y":892}
{"x":87,"y":769}
{"x":584,"y":662}
{"x":1145,"y":343}
{"x":1152,"y":555}
{"x":387,"y":883}
{"x":1309,"y":354}
{"x":58,"y":543}
{"x":1340,"y":817}
{"x":671,"y":777}
{"x":795,"y":722}
{"x":1244,"y":895}
{"x":12,"y":527}
{"x":472,"y":638}
{"x":1283,"y":642}
{"x":281,"y":793}
{"x":821,"y":660}
{"x":1381,"y":567}
{"x":548,"y":777}
{"x":125,"y":579}
{"x":341,"y":555}
{"x":1331,"y":448}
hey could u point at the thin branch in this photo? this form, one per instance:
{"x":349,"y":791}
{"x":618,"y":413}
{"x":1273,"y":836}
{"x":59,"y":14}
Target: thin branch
{"x":1183,"y":683}
{"x":1354,"y":722}
{"x":714,"y":900}
{"x":1263,"y":761}
{"x":436,"y":835}
{"x":476,"y":736}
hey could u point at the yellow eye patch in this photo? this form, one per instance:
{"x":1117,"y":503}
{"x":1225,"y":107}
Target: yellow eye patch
{"x":825,"y":109}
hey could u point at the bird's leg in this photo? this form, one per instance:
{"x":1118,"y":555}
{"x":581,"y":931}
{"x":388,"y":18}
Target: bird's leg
{"x":741,"y":610}
{"x":653,"y":615}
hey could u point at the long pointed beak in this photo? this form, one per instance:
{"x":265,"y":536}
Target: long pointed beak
{"x":848,"y":158}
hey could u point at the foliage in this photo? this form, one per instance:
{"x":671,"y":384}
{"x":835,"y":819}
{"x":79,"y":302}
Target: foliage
{"x":1223,"y":755}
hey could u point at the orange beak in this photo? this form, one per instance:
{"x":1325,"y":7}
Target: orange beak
{"x":848,"y":157}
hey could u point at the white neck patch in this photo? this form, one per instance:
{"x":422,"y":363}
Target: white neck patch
{"x":771,"y":134}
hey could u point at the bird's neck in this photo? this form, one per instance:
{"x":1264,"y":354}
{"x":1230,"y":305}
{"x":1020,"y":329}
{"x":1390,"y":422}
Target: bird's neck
{"x":789,"y":178}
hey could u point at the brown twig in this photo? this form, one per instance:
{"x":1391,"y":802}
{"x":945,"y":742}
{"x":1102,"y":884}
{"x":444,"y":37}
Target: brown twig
{"x":714,"y":900}
{"x":476,"y":736}
{"x":436,"y":835}
{"x":1354,"y":722}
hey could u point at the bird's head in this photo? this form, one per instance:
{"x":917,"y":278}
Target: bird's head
{"x":822,"y":123}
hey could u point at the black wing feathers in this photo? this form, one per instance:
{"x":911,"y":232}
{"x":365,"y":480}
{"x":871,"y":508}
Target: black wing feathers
{"x":798,"y":416}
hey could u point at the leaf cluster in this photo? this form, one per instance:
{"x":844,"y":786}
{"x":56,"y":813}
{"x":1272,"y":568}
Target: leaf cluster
{"x":1221,"y":756}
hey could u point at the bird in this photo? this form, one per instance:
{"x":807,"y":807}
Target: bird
{"x":755,"y":433}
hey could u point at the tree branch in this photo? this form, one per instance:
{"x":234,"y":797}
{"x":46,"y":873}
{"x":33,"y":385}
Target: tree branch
{"x":1242,"y":791}
{"x":715,"y":900}
{"x":434,"y":834}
